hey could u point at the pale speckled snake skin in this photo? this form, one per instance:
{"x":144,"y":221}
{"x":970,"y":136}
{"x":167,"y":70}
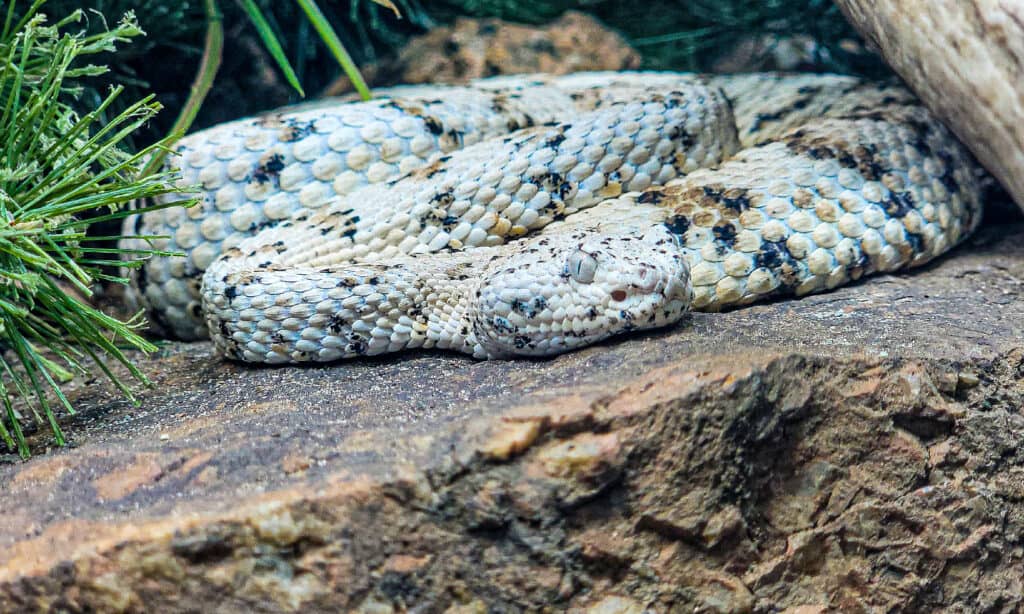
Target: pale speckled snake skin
{"x":534,"y":215}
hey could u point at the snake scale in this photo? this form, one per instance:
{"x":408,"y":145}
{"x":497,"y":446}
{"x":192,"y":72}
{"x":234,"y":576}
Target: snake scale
{"x":527,"y":216}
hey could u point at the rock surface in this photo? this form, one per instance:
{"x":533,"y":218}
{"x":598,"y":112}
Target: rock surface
{"x":474,"y":48}
{"x":857,"y":450}
{"x":965,"y":59}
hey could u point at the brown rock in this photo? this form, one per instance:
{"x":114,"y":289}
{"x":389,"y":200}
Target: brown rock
{"x":582,"y":457}
{"x":474,"y":48}
{"x":965,"y":59}
{"x":42,"y":474}
{"x":294,"y":463}
{"x":615,"y":604}
{"x":121,"y":482}
{"x":404,"y":563}
{"x":798,"y":456}
{"x":511,"y":438}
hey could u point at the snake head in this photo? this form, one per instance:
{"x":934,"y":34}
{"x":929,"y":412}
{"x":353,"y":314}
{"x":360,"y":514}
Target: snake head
{"x":565,"y":291}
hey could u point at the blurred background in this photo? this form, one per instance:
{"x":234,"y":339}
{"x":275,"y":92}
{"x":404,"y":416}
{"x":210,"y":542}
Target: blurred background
{"x":453,"y":40}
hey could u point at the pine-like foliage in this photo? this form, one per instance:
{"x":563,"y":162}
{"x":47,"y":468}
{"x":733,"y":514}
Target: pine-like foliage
{"x":58,"y":166}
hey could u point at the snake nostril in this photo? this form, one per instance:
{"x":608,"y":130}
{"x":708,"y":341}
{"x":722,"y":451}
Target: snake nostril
{"x":618,"y":295}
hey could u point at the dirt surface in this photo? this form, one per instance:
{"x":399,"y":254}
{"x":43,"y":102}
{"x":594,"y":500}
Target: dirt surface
{"x":857,"y":450}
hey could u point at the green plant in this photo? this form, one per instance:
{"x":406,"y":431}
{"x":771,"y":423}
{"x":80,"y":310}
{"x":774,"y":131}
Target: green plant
{"x":327,"y":34}
{"x":210,"y":62}
{"x":56,"y":168}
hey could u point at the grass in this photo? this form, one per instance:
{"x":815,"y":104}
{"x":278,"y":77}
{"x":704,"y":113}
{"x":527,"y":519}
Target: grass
{"x":60,"y":173}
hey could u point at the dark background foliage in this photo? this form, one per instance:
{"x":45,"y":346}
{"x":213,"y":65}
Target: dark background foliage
{"x":671,"y":34}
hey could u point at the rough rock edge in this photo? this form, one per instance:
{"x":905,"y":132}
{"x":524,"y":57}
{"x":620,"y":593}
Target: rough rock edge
{"x":737,"y":485}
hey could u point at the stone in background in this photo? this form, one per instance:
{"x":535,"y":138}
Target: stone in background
{"x":474,"y":48}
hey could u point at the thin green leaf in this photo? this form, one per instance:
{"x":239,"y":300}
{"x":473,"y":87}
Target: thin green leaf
{"x":330,"y":38}
{"x":273,"y":45}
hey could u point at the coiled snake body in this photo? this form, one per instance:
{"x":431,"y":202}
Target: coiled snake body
{"x":534,"y":215}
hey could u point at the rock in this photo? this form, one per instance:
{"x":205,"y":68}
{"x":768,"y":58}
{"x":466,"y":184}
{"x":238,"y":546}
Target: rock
{"x":964,"y":58}
{"x":853,"y":451}
{"x":777,"y":52}
{"x":473,"y":48}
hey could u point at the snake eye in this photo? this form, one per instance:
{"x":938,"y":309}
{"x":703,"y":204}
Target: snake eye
{"x":581,"y":266}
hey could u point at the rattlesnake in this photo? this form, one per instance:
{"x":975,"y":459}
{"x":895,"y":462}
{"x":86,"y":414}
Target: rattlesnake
{"x":534,"y":215}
